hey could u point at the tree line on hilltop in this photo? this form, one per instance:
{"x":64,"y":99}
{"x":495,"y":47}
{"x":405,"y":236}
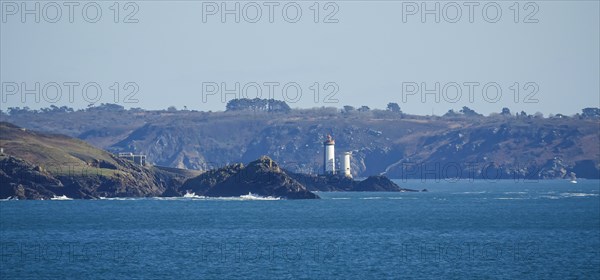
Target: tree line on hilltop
{"x":279,"y":106}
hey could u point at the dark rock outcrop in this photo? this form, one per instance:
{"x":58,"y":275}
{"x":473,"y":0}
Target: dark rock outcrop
{"x":338,"y":182}
{"x":377,"y":184}
{"x":330,"y":183}
{"x":21,"y":179}
{"x":261,"y":177}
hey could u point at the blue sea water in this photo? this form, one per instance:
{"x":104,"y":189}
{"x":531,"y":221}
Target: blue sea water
{"x":457,"y":230}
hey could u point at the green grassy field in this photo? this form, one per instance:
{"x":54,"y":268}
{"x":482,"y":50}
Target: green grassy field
{"x":57,"y":154}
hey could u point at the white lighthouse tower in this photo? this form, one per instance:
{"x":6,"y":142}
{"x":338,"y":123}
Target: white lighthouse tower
{"x":329,"y":160}
{"x":347,"y":156}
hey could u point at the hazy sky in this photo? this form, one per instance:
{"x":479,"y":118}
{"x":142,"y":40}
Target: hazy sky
{"x":376,"y":52}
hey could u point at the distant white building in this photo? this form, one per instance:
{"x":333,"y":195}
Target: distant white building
{"x":138,"y":159}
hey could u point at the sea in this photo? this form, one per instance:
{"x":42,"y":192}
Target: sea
{"x":456,"y":230}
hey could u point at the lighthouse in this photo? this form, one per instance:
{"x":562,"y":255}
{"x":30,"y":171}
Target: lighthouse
{"x":347,"y":172}
{"x":329,"y":155}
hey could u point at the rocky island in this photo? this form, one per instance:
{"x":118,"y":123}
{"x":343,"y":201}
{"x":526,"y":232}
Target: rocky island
{"x":262,"y":177}
{"x":341,"y":183}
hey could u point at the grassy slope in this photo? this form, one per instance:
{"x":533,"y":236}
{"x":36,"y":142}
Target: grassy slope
{"x":58,"y":154}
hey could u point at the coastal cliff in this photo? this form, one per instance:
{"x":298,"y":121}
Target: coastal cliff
{"x":457,"y":145}
{"x":38,"y":165}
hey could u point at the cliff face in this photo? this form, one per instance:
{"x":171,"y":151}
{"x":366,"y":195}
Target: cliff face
{"x":39,"y":166}
{"x":22,"y":180}
{"x":524,"y":149}
{"x":397,"y":145}
{"x":262,"y":177}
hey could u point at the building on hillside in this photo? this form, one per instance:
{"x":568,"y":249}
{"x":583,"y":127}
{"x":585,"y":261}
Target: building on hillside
{"x":138,"y":159}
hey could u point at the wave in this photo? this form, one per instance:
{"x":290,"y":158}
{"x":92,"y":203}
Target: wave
{"x":371,"y":197}
{"x":551,"y":196}
{"x":122,"y":198}
{"x":480,"y":192}
{"x":251,"y":196}
{"x":196,"y":197}
{"x":62,"y":197}
{"x":192,"y":195}
{"x":577,"y":194}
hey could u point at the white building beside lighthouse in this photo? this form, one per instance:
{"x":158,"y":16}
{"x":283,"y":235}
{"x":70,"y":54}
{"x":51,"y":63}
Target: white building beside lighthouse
{"x":329,"y":155}
{"x":347,"y":172}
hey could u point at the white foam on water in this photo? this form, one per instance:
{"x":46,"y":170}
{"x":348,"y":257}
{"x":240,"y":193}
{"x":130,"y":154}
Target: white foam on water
{"x":196,"y":197}
{"x":192,"y":195}
{"x":371,"y":197}
{"x":577,"y":194}
{"x":62,"y":197}
{"x":251,"y":196}
{"x":121,"y":198}
{"x":168,"y":198}
{"x":550,"y":197}
{"x":480,"y":192}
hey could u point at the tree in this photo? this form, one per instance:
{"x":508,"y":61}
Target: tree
{"x":277,"y":106}
{"x":348,"y":109}
{"x":505,"y":112}
{"x":469,"y":112}
{"x":394,"y":107}
{"x":108,"y":107}
{"x":590,"y":113}
{"x":66,"y":109}
{"x":451,"y":113}
{"x":172,"y":109}
{"x":17,"y":110}
{"x":364,"y":109}
{"x":522,"y":114}
{"x":257,"y":104}
{"x":56,"y":109}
